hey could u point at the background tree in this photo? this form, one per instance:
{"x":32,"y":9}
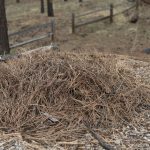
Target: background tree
{"x":4,"y":42}
{"x":50,"y":9}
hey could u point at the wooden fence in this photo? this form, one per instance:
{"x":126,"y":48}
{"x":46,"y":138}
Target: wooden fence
{"x":28,"y":30}
{"x":76,"y":24}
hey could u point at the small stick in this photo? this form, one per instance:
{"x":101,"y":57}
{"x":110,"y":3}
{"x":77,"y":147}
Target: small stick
{"x":100,"y":139}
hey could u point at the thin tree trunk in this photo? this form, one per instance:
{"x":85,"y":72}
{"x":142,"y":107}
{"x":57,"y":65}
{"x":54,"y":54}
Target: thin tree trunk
{"x":50,"y":9}
{"x":4,"y":42}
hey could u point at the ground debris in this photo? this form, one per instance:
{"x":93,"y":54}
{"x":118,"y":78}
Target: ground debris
{"x":69,"y":89}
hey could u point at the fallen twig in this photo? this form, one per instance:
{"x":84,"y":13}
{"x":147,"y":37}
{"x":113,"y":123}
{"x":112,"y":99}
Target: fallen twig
{"x":100,"y":139}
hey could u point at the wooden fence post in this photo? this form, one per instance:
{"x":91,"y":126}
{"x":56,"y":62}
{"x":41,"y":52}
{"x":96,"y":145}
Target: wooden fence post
{"x":73,"y":23}
{"x":111,"y":12}
{"x":53,"y":30}
{"x":42,"y":6}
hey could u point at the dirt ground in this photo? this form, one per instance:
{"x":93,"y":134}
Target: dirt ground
{"x":120,"y":37}
{"x":125,"y":39}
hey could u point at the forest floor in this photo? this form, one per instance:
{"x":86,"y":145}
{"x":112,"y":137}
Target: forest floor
{"x":92,"y":48}
{"x":38,"y":72}
{"x":120,"y":37}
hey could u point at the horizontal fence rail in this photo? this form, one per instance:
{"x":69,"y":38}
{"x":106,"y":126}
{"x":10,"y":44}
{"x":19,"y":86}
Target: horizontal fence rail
{"x":91,"y":21}
{"x":93,"y":11}
{"x":123,"y":11}
{"x":103,"y":8}
{"x":31,"y":41}
{"x":41,"y":26}
{"x":110,"y":9}
{"x":49,"y":34}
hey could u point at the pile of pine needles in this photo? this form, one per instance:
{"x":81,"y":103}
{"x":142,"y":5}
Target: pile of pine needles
{"x":57,"y":93}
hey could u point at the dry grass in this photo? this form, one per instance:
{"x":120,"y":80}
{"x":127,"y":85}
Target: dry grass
{"x":55,"y":93}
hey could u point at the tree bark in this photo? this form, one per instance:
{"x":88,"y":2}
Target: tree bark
{"x":4,"y":42}
{"x":50,"y":9}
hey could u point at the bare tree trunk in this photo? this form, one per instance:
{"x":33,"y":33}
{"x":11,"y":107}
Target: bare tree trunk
{"x":4,"y":42}
{"x":50,"y":9}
